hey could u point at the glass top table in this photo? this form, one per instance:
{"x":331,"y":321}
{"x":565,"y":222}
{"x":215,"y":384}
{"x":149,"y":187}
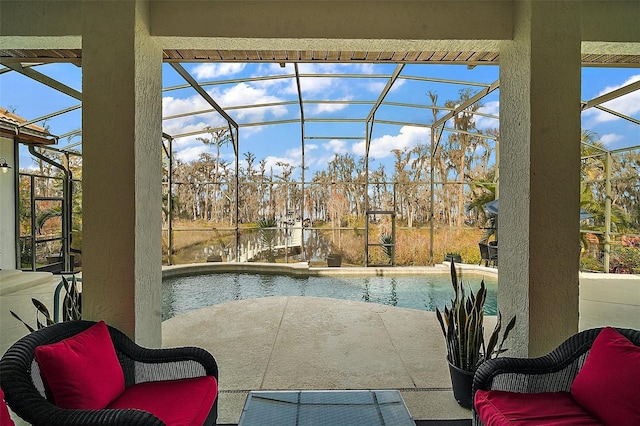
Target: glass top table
{"x":326,"y":407}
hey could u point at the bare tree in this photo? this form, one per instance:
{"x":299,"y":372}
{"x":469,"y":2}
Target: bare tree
{"x":461,"y":147}
{"x":217,"y":138}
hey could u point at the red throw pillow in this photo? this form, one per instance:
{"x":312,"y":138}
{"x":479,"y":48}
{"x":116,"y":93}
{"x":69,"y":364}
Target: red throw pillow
{"x":5,"y":419}
{"x":607,"y":386}
{"x":83,"y":371}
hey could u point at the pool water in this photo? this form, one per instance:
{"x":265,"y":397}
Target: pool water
{"x":425,"y":292}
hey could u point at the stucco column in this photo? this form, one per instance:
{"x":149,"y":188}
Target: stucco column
{"x":539,"y":176}
{"x":122,"y":125}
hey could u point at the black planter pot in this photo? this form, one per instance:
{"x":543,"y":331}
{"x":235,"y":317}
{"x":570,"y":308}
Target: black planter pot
{"x":334,"y":260}
{"x":462,"y":382}
{"x":449,"y":257}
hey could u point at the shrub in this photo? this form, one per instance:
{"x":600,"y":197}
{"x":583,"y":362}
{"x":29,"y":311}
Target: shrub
{"x":625,"y":260}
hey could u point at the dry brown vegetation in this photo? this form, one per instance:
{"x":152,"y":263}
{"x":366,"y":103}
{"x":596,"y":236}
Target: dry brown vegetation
{"x":411,"y":249}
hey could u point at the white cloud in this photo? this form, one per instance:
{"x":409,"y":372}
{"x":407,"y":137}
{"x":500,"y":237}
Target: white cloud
{"x":281,"y":86}
{"x":610,"y":138}
{"x":191,"y":153}
{"x":239,"y":94}
{"x":336,"y":146}
{"x":294,"y":152}
{"x":272,"y":163}
{"x":173,"y":106}
{"x":319,"y":68}
{"x":311,"y":86}
{"x":189,"y":148}
{"x":338,"y":88}
{"x":328,"y":108}
{"x":407,"y":138}
{"x":628,"y":104}
{"x":378,"y":86}
{"x":297,"y":152}
{"x":325,"y":85}
{"x":180,"y":126}
{"x":204,"y":71}
{"x":246,"y":94}
{"x":483,"y":123}
{"x":317,"y":158}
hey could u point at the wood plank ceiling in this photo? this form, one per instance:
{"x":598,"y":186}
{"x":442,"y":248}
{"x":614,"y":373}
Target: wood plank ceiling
{"x":413,"y":57}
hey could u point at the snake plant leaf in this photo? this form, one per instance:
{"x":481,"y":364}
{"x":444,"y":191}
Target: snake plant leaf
{"x":31,"y":329}
{"x":508,"y":329}
{"x":71,"y":307}
{"x":72,"y":300}
{"x":462,"y":324}
{"x":441,"y":321}
{"x":454,"y":278}
{"x":42,"y":309}
{"x":493,"y":340}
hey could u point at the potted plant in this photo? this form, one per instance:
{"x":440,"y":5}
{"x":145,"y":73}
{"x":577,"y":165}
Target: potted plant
{"x":386,"y":241}
{"x":453,"y":257}
{"x":71,"y":306}
{"x":463,"y":329}
{"x":334,"y":259}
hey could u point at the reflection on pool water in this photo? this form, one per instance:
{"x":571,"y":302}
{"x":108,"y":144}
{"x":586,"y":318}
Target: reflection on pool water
{"x":425,"y":292}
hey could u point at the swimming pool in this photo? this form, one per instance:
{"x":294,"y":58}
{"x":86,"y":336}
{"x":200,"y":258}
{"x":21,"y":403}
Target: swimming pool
{"x":424,"y":292}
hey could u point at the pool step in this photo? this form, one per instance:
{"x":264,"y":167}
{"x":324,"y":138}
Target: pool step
{"x":13,"y":280}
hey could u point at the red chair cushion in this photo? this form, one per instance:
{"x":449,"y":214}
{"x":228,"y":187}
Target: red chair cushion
{"x":5,"y":418}
{"x":500,"y":408}
{"x":176,"y":402}
{"x":608,"y":384}
{"x":82,"y":371}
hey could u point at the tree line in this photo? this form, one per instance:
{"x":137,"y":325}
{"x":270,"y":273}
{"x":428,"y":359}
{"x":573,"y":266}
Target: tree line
{"x":205,"y":189}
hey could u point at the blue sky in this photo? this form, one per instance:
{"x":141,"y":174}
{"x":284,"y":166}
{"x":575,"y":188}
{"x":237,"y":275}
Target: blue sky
{"x":281,"y":142}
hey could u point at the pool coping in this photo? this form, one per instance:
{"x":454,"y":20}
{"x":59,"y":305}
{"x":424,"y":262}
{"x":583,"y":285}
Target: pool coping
{"x":302,"y":269}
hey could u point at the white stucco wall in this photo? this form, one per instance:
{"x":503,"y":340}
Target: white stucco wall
{"x":540,"y":176}
{"x":7,"y":213}
{"x":122,"y":226}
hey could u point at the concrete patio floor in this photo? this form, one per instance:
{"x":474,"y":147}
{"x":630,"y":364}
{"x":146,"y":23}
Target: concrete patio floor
{"x":298,"y":342}
{"x":315,"y":343}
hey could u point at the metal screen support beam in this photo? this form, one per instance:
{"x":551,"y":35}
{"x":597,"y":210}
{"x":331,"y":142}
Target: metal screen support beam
{"x":369,"y":132}
{"x":53,"y":114}
{"x":383,"y":94}
{"x":386,"y":90}
{"x":44,"y":79}
{"x":611,"y":95}
{"x":236,"y":147}
{"x":169,"y":152}
{"x":368,"y":128}
{"x":617,"y":114}
{"x":302,"y":138}
{"x":432,"y":226}
{"x":198,"y":88}
{"x":472,"y":100}
{"x":66,"y":210}
{"x":607,"y":212}
{"x":234,"y":139}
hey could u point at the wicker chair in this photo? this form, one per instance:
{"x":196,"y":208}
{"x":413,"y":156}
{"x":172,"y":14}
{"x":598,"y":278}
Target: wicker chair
{"x":484,"y":254}
{"x":553,"y":372}
{"x":25,"y":392}
{"x":493,"y":253}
